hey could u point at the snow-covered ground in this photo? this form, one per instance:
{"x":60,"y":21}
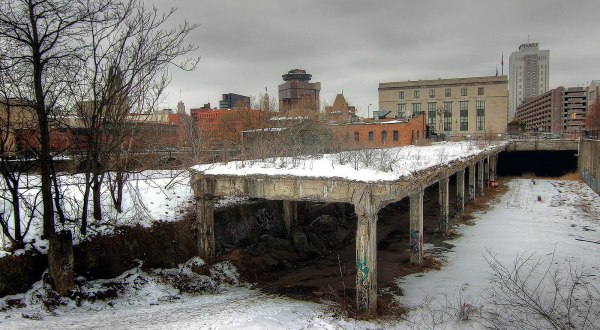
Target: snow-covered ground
{"x":148,"y":197}
{"x":557,"y":221}
{"x":366,"y":165}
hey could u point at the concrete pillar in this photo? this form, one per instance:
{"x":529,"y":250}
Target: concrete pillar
{"x":492,"y":169}
{"x":366,"y":262}
{"x":480,"y":181}
{"x":444,"y":192}
{"x":471,"y":183}
{"x":290,"y":216}
{"x":460,"y":191}
{"x":205,"y":229}
{"x":416,"y":228}
{"x":486,"y":169}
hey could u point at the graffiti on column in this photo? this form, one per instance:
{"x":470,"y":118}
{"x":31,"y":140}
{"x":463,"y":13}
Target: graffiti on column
{"x":363,"y":270}
{"x":459,"y":203}
{"x":415,"y":242}
{"x":471,"y":192}
{"x":443,"y":223}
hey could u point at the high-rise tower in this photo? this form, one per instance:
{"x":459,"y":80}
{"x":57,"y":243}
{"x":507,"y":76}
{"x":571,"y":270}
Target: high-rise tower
{"x":529,"y":75}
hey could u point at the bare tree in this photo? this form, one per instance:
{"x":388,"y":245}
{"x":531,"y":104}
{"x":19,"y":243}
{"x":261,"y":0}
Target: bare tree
{"x":538,"y":293}
{"x":62,"y":52}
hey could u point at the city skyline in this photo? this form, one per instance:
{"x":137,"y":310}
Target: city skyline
{"x":352,"y":46}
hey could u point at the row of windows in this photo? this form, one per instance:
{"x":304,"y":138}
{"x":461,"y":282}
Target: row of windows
{"x":447,"y":93}
{"x":432,"y":106}
{"x":371,"y":135}
{"x":463,"y":114}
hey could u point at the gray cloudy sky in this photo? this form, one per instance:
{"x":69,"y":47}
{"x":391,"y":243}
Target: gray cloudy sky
{"x":353,"y":45}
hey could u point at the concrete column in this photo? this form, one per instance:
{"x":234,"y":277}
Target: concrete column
{"x":290,"y":216}
{"x":205,"y":229}
{"x":460,"y":191}
{"x":492,"y":169}
{"x":486,"y":169}
{"x":366,"y":262}
{"x":444,"y":192}
{"x":416,"y":228}
{"x":480,"y":181}
{"x":471,"y":183}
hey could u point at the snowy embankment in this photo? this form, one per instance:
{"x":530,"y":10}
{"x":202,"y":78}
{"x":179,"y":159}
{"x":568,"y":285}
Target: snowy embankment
{"x":148,"y":197}
{"x":366,"y":165}
{"x":554,"y":220}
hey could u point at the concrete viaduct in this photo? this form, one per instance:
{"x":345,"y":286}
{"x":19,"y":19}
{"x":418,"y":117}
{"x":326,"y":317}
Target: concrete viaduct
{"x":367,"y":197}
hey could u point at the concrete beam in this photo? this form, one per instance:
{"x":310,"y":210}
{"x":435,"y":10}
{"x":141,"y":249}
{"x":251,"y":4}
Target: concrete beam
{"x":460,"y":191}
{"x":205,"y":229}
{"x":416,"y":228}
{"x":290,"y":216}
{"x":542,"y":145}
{"x":444,"y":189}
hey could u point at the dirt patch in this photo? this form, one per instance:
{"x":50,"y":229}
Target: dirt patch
{"x":326,"y":270}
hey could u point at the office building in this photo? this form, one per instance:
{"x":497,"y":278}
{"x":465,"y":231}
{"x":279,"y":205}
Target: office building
{"x":234,"y":101}
{"x":474,"y":106}
{"x":529,"y":75}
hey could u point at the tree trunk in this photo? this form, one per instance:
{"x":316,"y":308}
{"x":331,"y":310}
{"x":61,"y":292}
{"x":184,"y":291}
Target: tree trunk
{"x":60,"y":262}
{"x":85,"y":206}
{"x":96,"y":191}
{"x":17,"y":214}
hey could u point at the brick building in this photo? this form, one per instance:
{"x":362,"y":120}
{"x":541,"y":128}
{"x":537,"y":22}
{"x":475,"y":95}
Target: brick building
{"x":379,"y":134}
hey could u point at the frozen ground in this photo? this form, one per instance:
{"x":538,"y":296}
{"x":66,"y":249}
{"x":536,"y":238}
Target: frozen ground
{"x":544,"y":218}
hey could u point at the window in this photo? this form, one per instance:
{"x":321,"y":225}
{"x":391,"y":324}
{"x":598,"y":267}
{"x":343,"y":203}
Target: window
{"x":431,"y":115}
{"x":356,"y":136}
{"x":416,"y":94}
{"x":480,"y":119}
{"x":370,"y":136}
{"x":395,"y":135}
{"x":383,"y":136}
{"x":447,"y":116}
{"x":401,"y":110}
{"x":448,"y":92}
{"x":431,"y":93}
{"x":463,"y":91}
{"x":464,"y":115}
{"x":416,"y":108}
{"x":401,"y":95}
{"x":480,"y":91}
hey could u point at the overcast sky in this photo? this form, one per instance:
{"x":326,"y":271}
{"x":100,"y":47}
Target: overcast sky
{"x":353,"y":45}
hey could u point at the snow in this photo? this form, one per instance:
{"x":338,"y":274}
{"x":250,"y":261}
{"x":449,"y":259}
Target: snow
{"x":366,"y":165}
{"x":518,"y":223}
{"x":148,"y":197}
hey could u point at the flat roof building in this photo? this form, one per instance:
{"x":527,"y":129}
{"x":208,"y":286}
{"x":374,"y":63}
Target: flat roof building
{"x":234,"y":101}
{"x":473,"y":106}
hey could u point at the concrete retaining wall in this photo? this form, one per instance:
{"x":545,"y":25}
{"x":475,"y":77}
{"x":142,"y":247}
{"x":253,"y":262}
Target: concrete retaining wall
{"x":589,"y":163}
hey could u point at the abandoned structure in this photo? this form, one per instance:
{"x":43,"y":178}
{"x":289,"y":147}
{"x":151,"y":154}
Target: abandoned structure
{"x":367,"y":197}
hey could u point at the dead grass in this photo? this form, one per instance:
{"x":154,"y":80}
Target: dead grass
{"x":571,"y":176}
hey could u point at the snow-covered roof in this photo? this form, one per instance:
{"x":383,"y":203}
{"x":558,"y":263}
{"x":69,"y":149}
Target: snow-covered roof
{"x":367,"y":165}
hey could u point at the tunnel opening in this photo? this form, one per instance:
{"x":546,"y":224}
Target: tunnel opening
{"x":537,"y":163}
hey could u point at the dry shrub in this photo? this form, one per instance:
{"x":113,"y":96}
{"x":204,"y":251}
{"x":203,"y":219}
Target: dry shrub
{"x":18,"y":273}
{"x":164,"y":245}
{"x":571,"y":176}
